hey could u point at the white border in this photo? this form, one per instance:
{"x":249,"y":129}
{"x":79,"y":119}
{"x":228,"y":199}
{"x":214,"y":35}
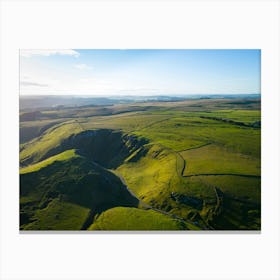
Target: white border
{"x":165,"y":24}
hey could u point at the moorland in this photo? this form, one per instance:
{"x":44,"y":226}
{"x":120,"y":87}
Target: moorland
{"x":187,"y":164}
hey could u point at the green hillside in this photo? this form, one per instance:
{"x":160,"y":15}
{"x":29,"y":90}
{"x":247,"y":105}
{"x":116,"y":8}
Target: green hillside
{"x":213,"y":159}
{"x":51,"y":140}
{"x":125,"y":218}
{"x":67,"y":155}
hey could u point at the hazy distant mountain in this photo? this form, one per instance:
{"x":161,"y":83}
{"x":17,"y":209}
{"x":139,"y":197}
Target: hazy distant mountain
{"x":36,"y":101}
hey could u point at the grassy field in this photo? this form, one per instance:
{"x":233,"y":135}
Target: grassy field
{"x":246,"y":116}
{"x":190,"y":132}
{"x":213,"y":159}
{"x":198,"y":160}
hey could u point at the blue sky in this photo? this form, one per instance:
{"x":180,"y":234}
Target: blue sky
{"x":139,"y":72}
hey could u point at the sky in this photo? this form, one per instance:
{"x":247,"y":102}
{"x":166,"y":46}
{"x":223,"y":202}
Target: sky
{"x":139,"y":72}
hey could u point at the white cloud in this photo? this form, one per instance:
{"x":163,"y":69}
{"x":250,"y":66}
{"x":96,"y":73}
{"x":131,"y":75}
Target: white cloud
{"x":30,"y":53}
{"x":27,"y":83}
{"x":83,"y":66}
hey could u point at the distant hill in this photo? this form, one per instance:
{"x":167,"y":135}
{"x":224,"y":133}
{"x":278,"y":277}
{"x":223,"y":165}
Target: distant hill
{"x":59,"y":102}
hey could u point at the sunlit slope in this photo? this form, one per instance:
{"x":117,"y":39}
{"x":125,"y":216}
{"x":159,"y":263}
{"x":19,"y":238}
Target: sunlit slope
{"x":156,"y":180}
{"x":66,"y":194}
{"x":59,"y":157}
{"x":51,"y":140}
{"x":125,"y":218}
{"x":151,"y":176}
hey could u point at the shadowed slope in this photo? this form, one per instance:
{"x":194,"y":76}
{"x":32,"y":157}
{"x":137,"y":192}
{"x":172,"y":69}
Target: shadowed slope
{"x":107,"y":147}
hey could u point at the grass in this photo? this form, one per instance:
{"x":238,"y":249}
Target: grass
{"x":60,"y":157}
{"x":240,"y":208}
{"x":246,"y":116}
{"x":124,"y":218}
{"x":154,"y":177}
{"x":151,"y":176}
{"x":59,"y":215}
{"x":127,"y":122}
{"x":235,"y":186}
{"x":213,"y":159}
{"x":37,"y":149}
{"x":32,"y":129}
{"x":181,"y":133}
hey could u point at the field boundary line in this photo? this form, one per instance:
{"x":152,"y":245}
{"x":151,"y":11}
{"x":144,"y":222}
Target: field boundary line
{"x":193,"y":148}
{"x":151,"y":124}
{"x":230,"y":121}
